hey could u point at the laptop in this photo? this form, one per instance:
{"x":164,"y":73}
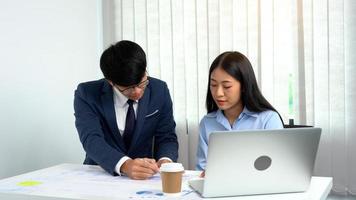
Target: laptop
{"x":258,"y":162}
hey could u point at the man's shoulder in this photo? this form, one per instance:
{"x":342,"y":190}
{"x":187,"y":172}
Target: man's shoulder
{"x":158,"y":91}
{"x":155,"y":82}
{"x":157,"y":87}
{"x":92,"y":84}
{"x":95,"y":85}
{"x":92,"y":89}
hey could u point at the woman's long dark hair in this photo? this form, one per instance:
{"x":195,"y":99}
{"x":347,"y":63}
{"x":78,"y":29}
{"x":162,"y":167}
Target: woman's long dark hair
{"x":238,"y":66}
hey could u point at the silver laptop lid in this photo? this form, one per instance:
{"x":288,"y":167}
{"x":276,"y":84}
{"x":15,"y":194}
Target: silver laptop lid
{"x":260,"y":161}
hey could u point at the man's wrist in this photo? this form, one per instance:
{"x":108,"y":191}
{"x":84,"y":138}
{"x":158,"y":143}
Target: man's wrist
{"x":119,"y":165}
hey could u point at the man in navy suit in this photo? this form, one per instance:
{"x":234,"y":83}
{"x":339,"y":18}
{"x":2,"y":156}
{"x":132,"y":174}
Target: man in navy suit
{"x":125,"y":121}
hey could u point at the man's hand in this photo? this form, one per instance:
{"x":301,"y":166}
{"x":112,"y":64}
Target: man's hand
{"x":161,"y":161}
{"x":139,"y":168}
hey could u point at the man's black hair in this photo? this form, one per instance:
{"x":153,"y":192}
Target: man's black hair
{"x":124,"y":63}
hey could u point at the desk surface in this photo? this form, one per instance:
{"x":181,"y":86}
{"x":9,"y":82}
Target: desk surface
{"x":72,"y":181}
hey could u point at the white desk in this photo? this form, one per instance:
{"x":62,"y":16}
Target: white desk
{"x":71,"y":181}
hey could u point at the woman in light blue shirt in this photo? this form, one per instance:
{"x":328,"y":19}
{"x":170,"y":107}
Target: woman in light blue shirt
{"x":233,"y":102}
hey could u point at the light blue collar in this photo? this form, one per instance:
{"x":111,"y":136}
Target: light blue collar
{"x":221,"y":119}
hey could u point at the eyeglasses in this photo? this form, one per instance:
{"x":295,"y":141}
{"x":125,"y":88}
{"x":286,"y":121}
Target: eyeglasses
{"x":131,"y":89}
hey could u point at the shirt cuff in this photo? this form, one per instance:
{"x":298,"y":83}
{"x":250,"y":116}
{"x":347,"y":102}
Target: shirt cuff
{"x":119,"y":164}
{"x":166,"y":158}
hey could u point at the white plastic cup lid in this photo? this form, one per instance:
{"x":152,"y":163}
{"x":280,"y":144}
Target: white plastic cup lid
{"x":172,"y":167}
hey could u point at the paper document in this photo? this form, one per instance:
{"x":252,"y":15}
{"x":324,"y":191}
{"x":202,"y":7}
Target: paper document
{"x":88,"y":182}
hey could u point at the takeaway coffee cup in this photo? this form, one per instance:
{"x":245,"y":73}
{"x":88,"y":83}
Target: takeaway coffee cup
{"x":171,"y":175}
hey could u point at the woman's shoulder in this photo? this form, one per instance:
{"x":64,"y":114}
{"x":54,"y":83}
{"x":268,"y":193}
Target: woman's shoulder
{"x":209,"y":116}
{"x":263,"y":114}
{"x":268,"y":113}
{"x":271,"y":118}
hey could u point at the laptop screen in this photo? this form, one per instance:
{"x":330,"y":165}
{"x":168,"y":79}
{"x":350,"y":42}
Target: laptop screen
{"x":260,"y":161}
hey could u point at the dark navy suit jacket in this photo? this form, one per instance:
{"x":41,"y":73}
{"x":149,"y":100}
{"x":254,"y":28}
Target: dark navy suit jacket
{"x":98,"y":131}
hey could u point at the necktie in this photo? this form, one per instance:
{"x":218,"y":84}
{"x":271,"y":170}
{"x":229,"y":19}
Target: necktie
{"x":129,"y":124}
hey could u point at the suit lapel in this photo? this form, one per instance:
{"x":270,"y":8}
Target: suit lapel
{"x":109,"y":112}
{"x":141,"y":113}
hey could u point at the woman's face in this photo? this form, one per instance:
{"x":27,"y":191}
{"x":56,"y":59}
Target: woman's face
{"x":225,"y":89}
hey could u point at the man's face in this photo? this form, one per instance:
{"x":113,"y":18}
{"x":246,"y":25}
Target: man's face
{"x":134,"y":92}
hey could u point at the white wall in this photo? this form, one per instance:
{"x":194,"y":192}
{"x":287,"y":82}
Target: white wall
{"x":46,"y":49}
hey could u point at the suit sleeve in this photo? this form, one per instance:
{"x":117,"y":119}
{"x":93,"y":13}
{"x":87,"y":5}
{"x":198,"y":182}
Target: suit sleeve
{"x":91,"y":134}
{"x":166,"y":144}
